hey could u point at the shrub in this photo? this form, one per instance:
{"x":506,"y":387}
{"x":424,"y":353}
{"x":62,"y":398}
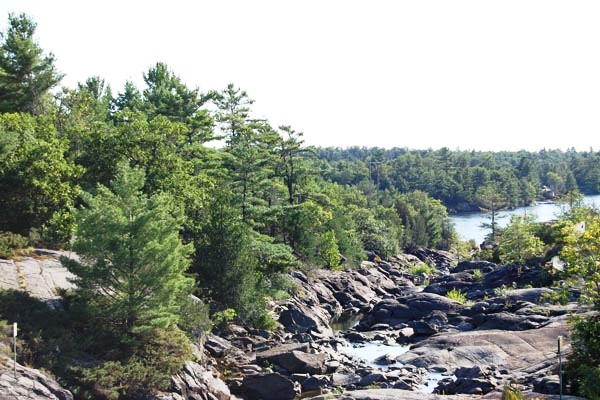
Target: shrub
{"x":422,"y":269}
{"x":477,"y":274}
{"x":583,"y":368}
{"x":158,"y":356}
{"x":195,"y":317}
{"x":222,"y":318}
{"x":558,"y":296}
{"x":457,"y":296}
{"x":511,"y":393}
{"x":11,"y":244}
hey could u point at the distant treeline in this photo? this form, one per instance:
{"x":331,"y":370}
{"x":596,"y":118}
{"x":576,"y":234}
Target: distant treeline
{"x":455,"y":177}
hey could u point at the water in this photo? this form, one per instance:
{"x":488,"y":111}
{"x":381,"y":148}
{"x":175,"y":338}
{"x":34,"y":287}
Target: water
{"x":369,"y":352}
{"x":431,"y":381}
{"x":468,"y":225}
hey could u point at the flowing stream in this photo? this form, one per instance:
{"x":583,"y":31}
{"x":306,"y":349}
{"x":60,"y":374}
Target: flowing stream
{"x":468,"y":225}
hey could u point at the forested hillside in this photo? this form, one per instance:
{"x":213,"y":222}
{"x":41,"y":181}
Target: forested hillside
{"x":458,"y":178}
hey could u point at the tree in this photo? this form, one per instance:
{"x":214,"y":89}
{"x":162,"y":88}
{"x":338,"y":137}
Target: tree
{"x":329,"y":251}
{"x":132,"y":260}
{"x":582,"y":254}
{"x":234,"y":110}
{"x":491,"y":201}
{"x":291,"y":166}
{"x":37,"y":182}
{"x":166,"y":95}
{"x":26,"y":74}
{"x":518,"y":242}
{"x":225,"y":263}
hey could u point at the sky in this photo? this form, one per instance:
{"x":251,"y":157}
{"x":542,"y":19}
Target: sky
{"x":482,"y":75}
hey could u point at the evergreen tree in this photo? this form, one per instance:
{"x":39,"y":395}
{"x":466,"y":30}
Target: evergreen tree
{"x":518,"y":242}
{"x":491,"y":201}
{"x":132,"y":260}
{"x":26,"y":74}
{"x":226,"y":266}
{"x":166,"y":95}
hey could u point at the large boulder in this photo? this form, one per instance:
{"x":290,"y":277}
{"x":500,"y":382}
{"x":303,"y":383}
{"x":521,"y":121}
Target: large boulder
{"x":216,"y":345}
{"x":483,"y":266}
{"x":509,"y":321}
{"x":269,"y":387}
{"x":413,"y":307}
{"x":442,"y":260}
{"x":294,"y":358}
{"x":30,"y":384}
{"x":524,"y":353}
{"x":473,"y":380}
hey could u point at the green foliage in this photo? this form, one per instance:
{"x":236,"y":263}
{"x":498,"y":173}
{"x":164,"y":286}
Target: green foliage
{"x":36,"y":179}
{"x":518,"y":242}
{"x":477,"y":274}
{"x":425,"y":220}
{"x":162,"y":353}
{"x":132,"y":259}
{"x":422,"y":269}
{"x":491,"y":200}
{"x":560,"y":295}
{"x":457,"y":295}
{"x":583,"y":371}
{"x":582,"y":253}
{"x":26,"y":74}
{"x":222,"y":318}
{"x":195,"y":319}
{"x":227,"y":268}
{"x":511,"y":393}
{"x":11,"y":243}
{"x":329,"y":250}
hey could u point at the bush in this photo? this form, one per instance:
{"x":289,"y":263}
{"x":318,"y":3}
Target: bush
{"x":477,"y":274}
{"x":12,"y":244}
{"x":422,"y":269}
{"x":511,"y":393}
{"x":157,"y":357}
{"x":195,"y":317}
{"x":457,"y":296}
{"x":583,"y":369}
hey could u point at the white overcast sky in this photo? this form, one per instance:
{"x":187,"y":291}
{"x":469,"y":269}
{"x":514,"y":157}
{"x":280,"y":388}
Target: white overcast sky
{"x":490,"y":75}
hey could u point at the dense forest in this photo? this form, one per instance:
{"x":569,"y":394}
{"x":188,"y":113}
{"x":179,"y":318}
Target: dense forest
{"x":458,"y":177}
{"x":133,"y":176}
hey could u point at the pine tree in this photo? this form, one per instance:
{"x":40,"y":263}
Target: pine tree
{"x":132,"y":260}
{"x":518,"y":242}
{"x":26,"y":74}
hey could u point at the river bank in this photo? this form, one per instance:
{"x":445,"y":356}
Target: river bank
{"x":468,"y":224}
{"x":402,"y":338}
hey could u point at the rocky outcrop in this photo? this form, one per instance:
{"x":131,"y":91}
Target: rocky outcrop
{"x":394,"y":394}
{"x":523,"y":353}
{"x":197,"y":382}
{"x":269,"y":387}
{"x":29,"y":384}
{"x":442,"y":260}
{"x":503,"y":335}
{"x":410,"y":308}
{"x":41,"y":275}
{"x":328,"y":294}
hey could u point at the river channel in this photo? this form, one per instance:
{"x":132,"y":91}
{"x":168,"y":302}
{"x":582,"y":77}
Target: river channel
{"x":468,"y":225}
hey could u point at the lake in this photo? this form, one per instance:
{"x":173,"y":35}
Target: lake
{"x":468,"y":225}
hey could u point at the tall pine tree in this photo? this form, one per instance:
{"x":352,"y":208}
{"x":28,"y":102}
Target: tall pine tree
{"x":133,"y":262}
